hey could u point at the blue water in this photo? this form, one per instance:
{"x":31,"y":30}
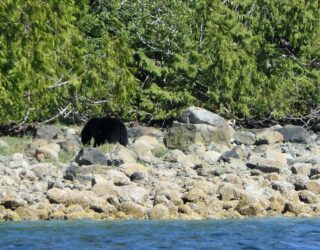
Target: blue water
{"x":279,"y":233}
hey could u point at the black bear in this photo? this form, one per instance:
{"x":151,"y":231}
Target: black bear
{"x":104,"y":130}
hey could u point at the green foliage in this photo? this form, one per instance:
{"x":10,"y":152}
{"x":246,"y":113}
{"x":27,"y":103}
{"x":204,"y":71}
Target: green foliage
{"x":249,"y":58}
{"x":149,"y":59}
{"x":65,"y":156}
{"x":160,"y":152}
{"x":38,"y":48}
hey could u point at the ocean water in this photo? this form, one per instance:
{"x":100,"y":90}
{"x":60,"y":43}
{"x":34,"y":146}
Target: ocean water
{"x":275,"y":233}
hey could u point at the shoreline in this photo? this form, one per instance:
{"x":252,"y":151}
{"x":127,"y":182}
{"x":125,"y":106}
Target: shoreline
{"x":239,"y":174}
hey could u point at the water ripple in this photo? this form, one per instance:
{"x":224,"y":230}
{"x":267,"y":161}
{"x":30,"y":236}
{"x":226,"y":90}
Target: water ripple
{"x":249,"y":234}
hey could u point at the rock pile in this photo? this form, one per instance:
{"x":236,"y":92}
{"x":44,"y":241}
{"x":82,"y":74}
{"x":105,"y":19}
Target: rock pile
{"x":200,"y":168}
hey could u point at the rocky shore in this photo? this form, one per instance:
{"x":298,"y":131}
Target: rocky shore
{"x":199,"y":168}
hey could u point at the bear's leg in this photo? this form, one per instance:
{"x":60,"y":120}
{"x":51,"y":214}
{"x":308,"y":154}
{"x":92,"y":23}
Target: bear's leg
{"x":98,"y":141}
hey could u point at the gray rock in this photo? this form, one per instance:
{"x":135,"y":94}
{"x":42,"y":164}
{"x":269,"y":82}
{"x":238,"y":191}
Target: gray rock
{"x":117,"y":178}
{"x":220,"y":148}
{"x":71,"y":144}
{"x":55,"y":184}
{"x":268,"y":137}
{"x":210,"y":157}
{"x":143,"y":152}
{"x":48,"y":132}
{"x":314,"y":171}
{"x":229,"y":192}
{"x":42,"y":170}
{"x":315,"y":160}
{"x":313,"y":186}
{"x":194,"y":195}
{"x":8,"y":181}
{"x":131,"y":168}
{"x":308,"y":197}
{"x":315,"y":177}
{"x":133,"y":193}
{"x":237,"y":152}
{"x":68,"y":197}
{"x":20,"y":163}
{"x":296,"y":207}
{"x":159,"y":212}
{"x":182,"y":135}
{"x":301,"y":168}
{"x":85,"y":173}
{"x":4,"y":159}
{"x":294,"y":134}
{"x":267,"y":163}
{"x":12,"y":201}
{"x":265,"y":167}
{"x":196,"y":115}
{"x":26,"y":174}
{"x":244,"y":137}
{"x":137,"y":176}
{"x":17,"y":157}
{"x":222,"y":170}
{"x":46,"y":152}
{"x":282,"y":186}
{"x":134,"y":210}
{"x":196,"y":149}
{"x":299,"y":181}
{"x":89,"y":156}
{"x":120,"y":155}
{"x":175,"y":155}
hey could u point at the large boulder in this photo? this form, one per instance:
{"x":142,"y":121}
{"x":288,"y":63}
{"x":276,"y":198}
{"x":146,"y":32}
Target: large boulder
{"x":182,"y":135}
{"x":48,"y":132}
{"x":198,"y":125}
{"x":196,"y":115}
{"x":294,"y":134}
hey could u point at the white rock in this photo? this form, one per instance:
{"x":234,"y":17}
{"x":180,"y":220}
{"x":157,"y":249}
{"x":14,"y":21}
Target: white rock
{"x":133,"y":193}
{"x":196,"y":115}
{"x":17,"y":156}
{"x":210,"y":157}
{"x":46,"y":153}
{"x":21,"y":163}
{"x":149,"y":142}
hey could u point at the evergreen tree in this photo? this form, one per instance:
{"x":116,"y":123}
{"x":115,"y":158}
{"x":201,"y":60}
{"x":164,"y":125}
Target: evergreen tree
{"x":149,"y":59}
{"x":40,"y":57}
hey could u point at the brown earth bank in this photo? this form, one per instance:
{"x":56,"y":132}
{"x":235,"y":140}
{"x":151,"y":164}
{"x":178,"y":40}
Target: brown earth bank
{"x":199,"y":168}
